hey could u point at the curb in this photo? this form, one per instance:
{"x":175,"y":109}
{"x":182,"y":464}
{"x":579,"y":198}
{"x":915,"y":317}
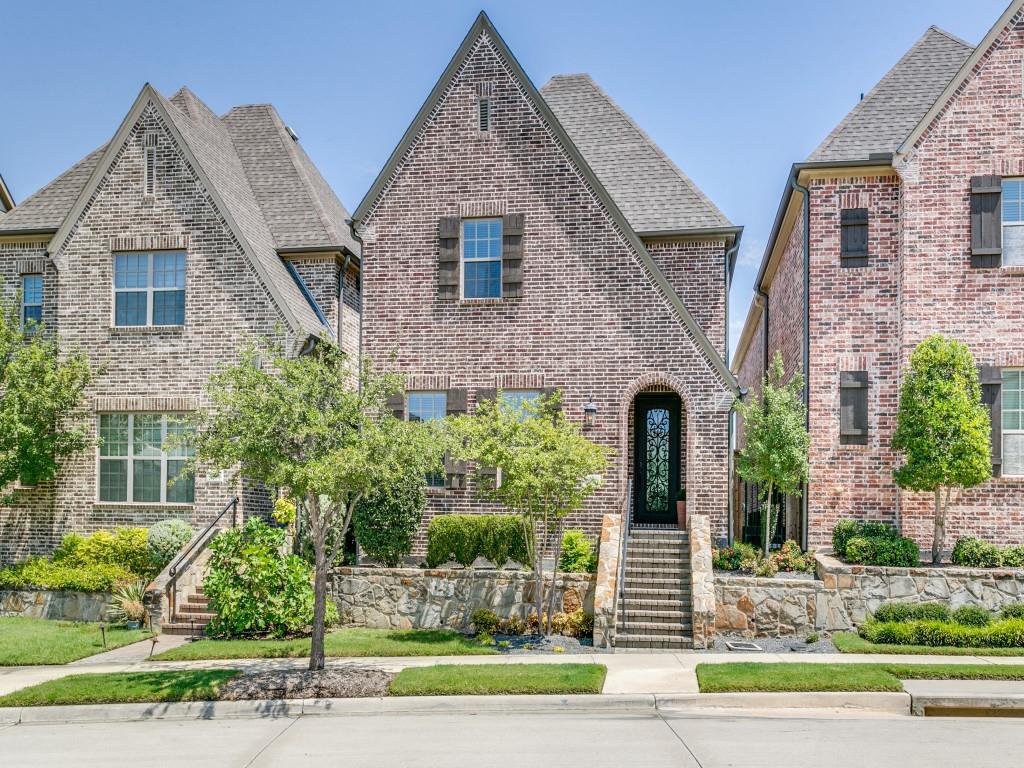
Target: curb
{"x":210,"y":710}
{"x":879,"y":703}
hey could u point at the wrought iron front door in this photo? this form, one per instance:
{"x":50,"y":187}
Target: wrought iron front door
{"x":656,"y":458}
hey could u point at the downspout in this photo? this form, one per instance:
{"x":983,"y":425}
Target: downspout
{"x":797,"y":187}
{"x":731,"y":485}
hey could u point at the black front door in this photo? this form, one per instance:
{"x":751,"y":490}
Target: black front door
{"x":656,"y":458}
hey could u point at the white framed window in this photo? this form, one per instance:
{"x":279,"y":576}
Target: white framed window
{"x":1012,"y":396}
{"x":481,"y":258}
{"x":428,"y":406}
{"x":137,"y":465}
{"x":1013,"y":222}
{"x":149,"y":288}
{"x":31,"y":302}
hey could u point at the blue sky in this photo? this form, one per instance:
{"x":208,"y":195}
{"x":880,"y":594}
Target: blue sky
{"x":733,"y":91}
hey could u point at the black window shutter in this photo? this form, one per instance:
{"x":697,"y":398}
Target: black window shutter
{"x":455,"y":473}
{"x":853,"y":250}
{"x":853,"y":408}
{"x":548,"y":392}
{"x":986,"y":222}
{"x":448,"y":230}
{"x":455,"y":402}
{"x":992,"y":399}
{"x":512,"y":256}
{"x":486,"y":394}
{"x":396,"y":404}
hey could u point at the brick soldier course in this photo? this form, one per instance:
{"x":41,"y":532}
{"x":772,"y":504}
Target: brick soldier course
{"x":938,"y":137}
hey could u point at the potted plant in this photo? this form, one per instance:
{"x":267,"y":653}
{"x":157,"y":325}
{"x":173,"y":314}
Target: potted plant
{"x":129,"y":606}
{"x":681,"y":509}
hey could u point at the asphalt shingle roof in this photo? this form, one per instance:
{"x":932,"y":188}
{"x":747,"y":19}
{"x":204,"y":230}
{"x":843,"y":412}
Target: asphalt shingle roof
{"x":886,"y":116}
{"x":47,"y":208}
{"x":650,"y":190}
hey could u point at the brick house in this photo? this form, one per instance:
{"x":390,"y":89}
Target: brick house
{"x":901,"y":224}
{"x":519,"y":241}
{"x":159,"y":254}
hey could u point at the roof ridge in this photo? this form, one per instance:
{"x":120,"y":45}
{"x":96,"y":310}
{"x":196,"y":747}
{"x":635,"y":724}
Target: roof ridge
{"x":658,"y":150}
{"x":951,"y":36}
{"x":884,"y":80}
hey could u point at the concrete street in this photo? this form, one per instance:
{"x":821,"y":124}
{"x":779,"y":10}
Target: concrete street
{"x":679,"y":740}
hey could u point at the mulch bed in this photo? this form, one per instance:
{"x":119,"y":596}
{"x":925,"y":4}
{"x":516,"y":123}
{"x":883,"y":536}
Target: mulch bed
{"x":355,"y":682}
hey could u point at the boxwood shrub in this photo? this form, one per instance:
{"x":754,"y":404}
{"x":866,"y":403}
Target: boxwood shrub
{"x":464,"y":538}
{"x":845,"y":530}
{"x":886,"y":550}
{"x":895,"y":612}
{"x":972,"y":616}
{"x":975,"y":553}
{"x":1007,"y":633}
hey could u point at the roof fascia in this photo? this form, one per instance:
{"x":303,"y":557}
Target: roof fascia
{"x":962,"y":74}
{"x":5,"y":195}
{"x":729,"y":234}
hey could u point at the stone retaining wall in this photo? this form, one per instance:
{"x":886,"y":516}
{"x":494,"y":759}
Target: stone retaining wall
{"x":412,"y":598}
{"x":57,"y":605}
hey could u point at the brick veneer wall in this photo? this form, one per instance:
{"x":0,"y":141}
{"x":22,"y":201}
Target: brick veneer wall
{"x":149,"y":368}
{"x":590,"y":320}
{"x":979,"y":133}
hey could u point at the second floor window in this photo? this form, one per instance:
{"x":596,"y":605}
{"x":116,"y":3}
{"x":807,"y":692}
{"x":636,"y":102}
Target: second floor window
{"x":1013,"y":222}
{"x":31,"y":301}
{"x":137,"y":463}
{"x":481,"y":258}
{"x":1013,"y":422}
{"x":149,"y":288}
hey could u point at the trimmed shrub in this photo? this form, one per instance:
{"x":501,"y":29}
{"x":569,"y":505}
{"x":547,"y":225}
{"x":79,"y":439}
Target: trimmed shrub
{"x":975,"y":553}
{"x":972,"y":616}
{"x":464,"y":538}
{"x":123,"y":546}
{"x":485,"y":621}
{"x":894,"y":612}
{"x":165,"y":539}
{"x":845,"y":530}
{"x":578,"y":555}
{"x":385,"y":522}
{"x":254,"y":589}
{"x":1012,"y":611}
{"x":888,"y":550}
{"x":1008,"y":633}
{"x":1013,"y":557}
{"x":42,"y":573}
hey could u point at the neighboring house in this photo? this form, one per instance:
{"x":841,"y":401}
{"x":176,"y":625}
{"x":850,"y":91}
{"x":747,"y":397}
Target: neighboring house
{"x":6,"y":199}
{"x":160,"y":254}
{"x":914,"y":207}
{"x":519,"y":242}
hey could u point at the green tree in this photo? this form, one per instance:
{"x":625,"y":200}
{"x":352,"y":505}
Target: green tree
{"x":39,"y":389}
{"x":775,"y":456}
{"x":942,"y":428}
{"x":385,"y":522}
{"x":546,"y":468}
{"x":318,"y":428}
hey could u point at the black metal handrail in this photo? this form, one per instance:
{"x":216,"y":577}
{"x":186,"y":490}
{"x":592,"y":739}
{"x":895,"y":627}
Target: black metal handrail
{"x":201,"y":539}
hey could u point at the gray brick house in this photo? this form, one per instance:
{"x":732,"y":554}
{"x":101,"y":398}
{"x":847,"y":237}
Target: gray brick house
{"x":159,"y":254}
{"x":519,"y":241}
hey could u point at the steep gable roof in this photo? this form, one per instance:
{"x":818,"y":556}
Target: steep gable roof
{"x":483,"y":26}
{"x":888,"y":113}
{"x":650,"y":190}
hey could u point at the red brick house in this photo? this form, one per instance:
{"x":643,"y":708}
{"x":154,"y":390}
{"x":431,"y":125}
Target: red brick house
{"x":901,"y":224}
{"x":519,"y":241}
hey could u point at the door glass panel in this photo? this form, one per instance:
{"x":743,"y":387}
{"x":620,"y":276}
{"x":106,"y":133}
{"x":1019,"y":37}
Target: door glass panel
{"x":657,"y":480}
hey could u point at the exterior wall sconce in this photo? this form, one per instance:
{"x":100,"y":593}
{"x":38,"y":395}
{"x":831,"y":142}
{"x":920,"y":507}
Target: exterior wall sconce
{"x":589,"y":413}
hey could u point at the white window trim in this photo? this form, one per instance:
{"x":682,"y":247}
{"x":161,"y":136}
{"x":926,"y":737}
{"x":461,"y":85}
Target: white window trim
{"x":462,"y":260}
{"x":130,"y":457}
{"x":149,"y":290}
{"x":1003,"y":224}
{"x":1004,"y":432}
{"x":25,"y":304}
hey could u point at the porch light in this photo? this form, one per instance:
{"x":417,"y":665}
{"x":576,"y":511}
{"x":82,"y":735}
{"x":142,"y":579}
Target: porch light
{"x":589,"y":413}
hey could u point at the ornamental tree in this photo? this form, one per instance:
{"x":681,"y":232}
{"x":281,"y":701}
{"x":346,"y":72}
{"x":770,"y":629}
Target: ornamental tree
{"x":39,"y":390}
{"x":775,"y":456}
{"x":546,"y":469}
{"x":942,"y":428}
{"x":318,"y":428}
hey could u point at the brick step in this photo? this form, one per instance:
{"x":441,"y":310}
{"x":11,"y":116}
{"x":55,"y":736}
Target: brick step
{"x":632,"y":594}
{"x":651,"y":642}
{"x":177,"y":628}
{"x":673,"y":569}
{"x":654,"y":581}
{"x":645,"y":557}
{"x":654,"y":629}
{"x":641,"y":604}
{"x":656,"y":550}
{"x":657,"y":615}
{"x":196,"y":600}
{"x":196,"y":616}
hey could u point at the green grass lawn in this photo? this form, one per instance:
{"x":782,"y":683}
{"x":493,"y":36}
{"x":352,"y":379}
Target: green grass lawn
{"x":122,"y":687}
{"x":483,"y":679}
{"x":752,"y":676}
{"x":342,"y":642}
{"x":851,"y":642}
{"x":25,"y":641}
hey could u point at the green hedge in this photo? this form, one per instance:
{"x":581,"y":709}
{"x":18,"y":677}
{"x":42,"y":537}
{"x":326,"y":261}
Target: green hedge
{"x":873,"y":543}
{"x":42,"y":573}
{"x":1008,"y":633}
{"x":975,"y":553}
{"x":894,"y":612}
{"x":464,"y":538}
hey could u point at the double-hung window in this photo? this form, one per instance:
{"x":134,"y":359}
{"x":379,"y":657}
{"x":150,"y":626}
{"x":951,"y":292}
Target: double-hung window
{"x":481,"y":258}
{"x":143,"y":459}
{"x":516,"y":399}
{"x":149,"y":288}
{"x":1013,"y":421}
{"x":1013,"y":222}
{"x":428,"y":406}
{"x":31,"y":301}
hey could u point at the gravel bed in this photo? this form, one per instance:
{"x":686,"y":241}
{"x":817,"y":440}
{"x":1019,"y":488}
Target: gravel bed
{"x":303,"y":684}
{"x":772,"y":645}
{"x":541,"y":644}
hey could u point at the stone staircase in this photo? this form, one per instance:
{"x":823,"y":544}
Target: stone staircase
{"x":191,"y":615}
{"x":654,"y":611}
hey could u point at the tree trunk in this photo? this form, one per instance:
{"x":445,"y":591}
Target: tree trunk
{"x":538,"y":576}
{"x":767,"y":521}
{"x":318,"y":533}
{"x":554,"y":575}
{"x":940,"y":526}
